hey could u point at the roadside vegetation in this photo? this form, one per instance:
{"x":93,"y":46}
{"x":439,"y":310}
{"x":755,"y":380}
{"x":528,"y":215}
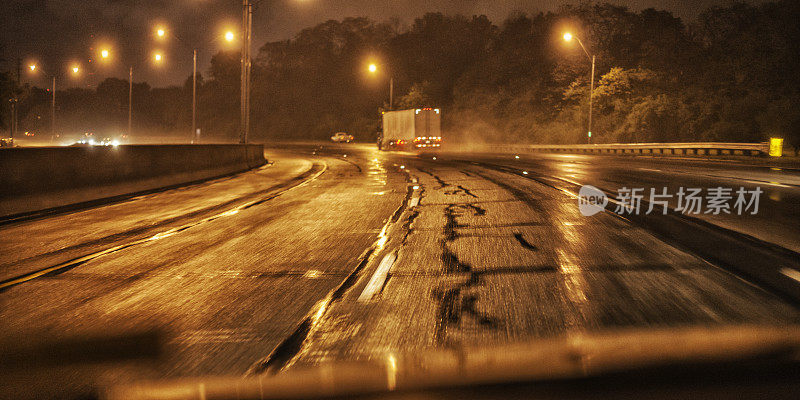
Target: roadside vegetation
{"x":731,"y":75}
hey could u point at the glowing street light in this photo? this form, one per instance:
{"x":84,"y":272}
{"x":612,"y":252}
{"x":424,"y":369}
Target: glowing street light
{"x":104,"y":53}
{"x":76,"y":70}
{"x":373,"y":69}
{"x":33,"y":68}
{"x":228,"y":36}
{"x":568,"y":38}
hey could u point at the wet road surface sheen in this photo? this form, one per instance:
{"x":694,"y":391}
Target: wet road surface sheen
{"x":492,"y":257}
{"x":223,"y":293}
{"x":404,"y":253}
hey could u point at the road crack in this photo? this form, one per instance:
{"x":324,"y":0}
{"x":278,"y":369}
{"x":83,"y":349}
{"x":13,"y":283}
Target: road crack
{"x":456,"y":303}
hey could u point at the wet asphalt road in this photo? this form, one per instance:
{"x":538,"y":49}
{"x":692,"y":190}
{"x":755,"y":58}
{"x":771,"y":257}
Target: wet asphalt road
{"x":365,"y":253}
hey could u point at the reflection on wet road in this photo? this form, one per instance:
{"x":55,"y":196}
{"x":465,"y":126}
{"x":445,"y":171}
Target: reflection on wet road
{"x":373,"y":254}
{"x":491,"y":257}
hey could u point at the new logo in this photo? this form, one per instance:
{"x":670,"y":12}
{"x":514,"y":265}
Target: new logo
{"x":591,"y":200}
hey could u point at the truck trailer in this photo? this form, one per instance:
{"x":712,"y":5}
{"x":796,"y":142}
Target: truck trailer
{"x":411,"y":129}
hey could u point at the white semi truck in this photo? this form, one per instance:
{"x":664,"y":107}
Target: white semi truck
{"x":412,"y":129}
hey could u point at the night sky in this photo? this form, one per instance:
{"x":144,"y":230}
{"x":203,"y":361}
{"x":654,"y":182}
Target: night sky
{"x":59,"y":33}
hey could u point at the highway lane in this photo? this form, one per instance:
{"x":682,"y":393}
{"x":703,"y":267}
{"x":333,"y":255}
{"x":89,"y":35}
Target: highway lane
{"x":28,"y":244}
{"x":779,"y":205}
{"x":222,"y":293}
{"x":381,"y":253}
{"x":491,"y":257}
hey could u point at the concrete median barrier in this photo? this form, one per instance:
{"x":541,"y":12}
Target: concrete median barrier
{"x":44,"y":178}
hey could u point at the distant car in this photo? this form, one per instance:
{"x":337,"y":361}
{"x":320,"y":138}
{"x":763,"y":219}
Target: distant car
{"x":7,"y":142}
{"x":340,"y":137}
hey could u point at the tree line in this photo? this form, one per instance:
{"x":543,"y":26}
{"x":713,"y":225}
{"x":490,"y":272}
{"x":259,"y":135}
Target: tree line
{"x":728,"y":76}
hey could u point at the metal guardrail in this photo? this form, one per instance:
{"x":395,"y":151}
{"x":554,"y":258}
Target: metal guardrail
{"x":698,"y":148}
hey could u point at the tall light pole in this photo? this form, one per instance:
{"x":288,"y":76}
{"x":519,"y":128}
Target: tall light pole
{"x":53,"y":113}
{"x":33,"y":68}
{"x":105,"y":55}
{"x":373,"y":68}
{"x":247,"y":26}
{"x":568,"y":37}
{"x":161,"y":33}
{"x":15,"y":99}
{"x":130,"y":102}
{"x":194,"y":96}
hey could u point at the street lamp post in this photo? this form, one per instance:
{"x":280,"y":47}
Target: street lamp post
{"x":13,"y":102}
{"x":568,"y":37}
{"x":373,"y":68}
{"x":130,"y":102}
{"x":161,"y":33}
{"x":194,"y":96}
{"x":15,"y":99}
{"x":247,"y":26}
{"x":53,"y":113}
{"x":33,"y":68}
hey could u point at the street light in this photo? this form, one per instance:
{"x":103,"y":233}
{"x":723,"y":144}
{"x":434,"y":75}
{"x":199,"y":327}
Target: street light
{"x":158,"y":57}
{"x":52,"y":104}
{"x":247,"y":38}
{"x":130,"y":102}
{"x":104,"y":53}
{"x":373,"y":69}
{"x":160,"y":32}
{"x":568,"y":38}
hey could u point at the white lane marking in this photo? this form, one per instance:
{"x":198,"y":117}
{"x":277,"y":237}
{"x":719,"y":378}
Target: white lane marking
{"x":378,"y":278}
{"x":791,"y":273}
{"x":414,"y":202}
